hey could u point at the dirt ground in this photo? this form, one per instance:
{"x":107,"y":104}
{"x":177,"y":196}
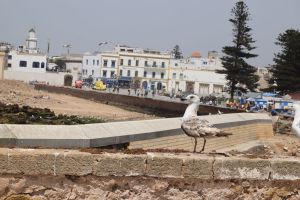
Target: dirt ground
{"x":17,"y":92}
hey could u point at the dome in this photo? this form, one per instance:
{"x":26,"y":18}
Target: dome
{"x":196,"y":54}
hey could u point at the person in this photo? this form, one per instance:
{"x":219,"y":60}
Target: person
{"x":138,"y":92}
{"x":135,"y":90}
{"x":118,"y":88}
{"x":129,"y":91}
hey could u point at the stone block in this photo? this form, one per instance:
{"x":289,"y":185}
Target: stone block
{"x":285,"y":169}
{"x":29,"y":162}
{"x":3,"y":161}
{"x":160,"y":165}
{"x":75,"y":163}
{"x":241,"y":168}
{"x":199,"y":167}
{"x":119,"y":165}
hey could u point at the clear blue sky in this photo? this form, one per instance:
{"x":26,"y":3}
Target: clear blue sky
{"x":157,"y":24}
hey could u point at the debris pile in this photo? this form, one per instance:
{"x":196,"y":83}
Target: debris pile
{"x":15,"y":114}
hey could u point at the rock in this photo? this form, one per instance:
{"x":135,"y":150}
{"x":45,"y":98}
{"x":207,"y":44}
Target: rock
{"x":285,"y":148}
{"x":245,"y":184}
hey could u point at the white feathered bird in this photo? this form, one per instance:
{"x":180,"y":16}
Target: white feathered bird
{"x":296,"y":122}
{"x":195,"y":127}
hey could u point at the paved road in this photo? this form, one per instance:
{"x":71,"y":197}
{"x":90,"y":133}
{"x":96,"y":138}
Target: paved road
{"x":158,"y":97}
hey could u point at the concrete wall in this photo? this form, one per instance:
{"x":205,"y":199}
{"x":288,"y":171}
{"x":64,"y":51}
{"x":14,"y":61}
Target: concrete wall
{"x":63,"y":162}
{"x":158,"y":133}
{"x":47,"y":77}
{"x":158,"y":107}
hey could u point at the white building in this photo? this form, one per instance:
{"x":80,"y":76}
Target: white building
{"x":27,"y":58}
{"x":91,"y":64}
{"x":196,"y":75}
{"x":27,"y":63}
{"x":145,"y":68}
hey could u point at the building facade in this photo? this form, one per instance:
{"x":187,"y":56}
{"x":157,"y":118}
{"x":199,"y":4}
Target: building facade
{"x":91,"y":64}
{"x":27,"y":58}
{"x":196,"y":75}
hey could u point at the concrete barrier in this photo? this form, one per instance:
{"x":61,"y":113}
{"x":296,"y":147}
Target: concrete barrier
{"x":184,"y":165}
{"x":158,"y":133}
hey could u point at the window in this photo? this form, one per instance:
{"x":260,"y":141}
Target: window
{"x":146,"y":63}
{"x":176,"y":64}
{"x":153,"y":74}
{"x":93,"y":62}
{"x":136,"y":74}
{"x":113,"y":63}
{"x":181,"y":75}
{"x":163,"y":64}
{"x":145,"y":74}
{"x":174,"y":76}
{"x":128,"y":72}
{"x":137,"y":63}
{"x":86,"y":61}
{"x":97,"y":62}
{"x":104,"y":73}
{"x":9,"y":57}
{"x":121,"y":62}
{"x":154,"y":64}
{"x":121,"y":72}
{"x":204,"y":63}
{"x":112,"y":73}
{"x":9,"y":65}
{"x":23,"y":63}
{"x":35,"y":65}
{"x":42,"y":65}
{"x":104,"y":63}
{"x":129,"y":62}
{"x":162,"y":75}
{"x":92,"y":72}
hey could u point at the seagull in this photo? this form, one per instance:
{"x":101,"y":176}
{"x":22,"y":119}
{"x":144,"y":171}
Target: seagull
{"x":196,"y":127}
{"x":219,"y":112}
{"x":296,"y":122}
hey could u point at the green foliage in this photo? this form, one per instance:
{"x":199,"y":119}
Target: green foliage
{"x":177,"y":52}
{"x":239,"y":74}
{"x":286,"y":71}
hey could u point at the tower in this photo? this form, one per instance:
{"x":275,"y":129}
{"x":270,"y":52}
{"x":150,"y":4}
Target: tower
{"x":31,"y":42}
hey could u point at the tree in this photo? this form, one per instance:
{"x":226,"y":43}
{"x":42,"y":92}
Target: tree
{"x":286,"y":71}
{"x":239,"y":74}
{"x":177,"y":52}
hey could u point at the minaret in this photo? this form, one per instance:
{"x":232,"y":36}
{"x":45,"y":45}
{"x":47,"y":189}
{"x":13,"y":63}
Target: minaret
{"x":31,"y":42}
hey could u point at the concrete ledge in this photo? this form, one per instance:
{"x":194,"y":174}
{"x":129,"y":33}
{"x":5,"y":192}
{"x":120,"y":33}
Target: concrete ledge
{"x":72,"y":162}
{"x":104,"y":134}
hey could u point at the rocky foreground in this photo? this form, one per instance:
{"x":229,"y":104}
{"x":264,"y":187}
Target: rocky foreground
{"x":89,"y":187}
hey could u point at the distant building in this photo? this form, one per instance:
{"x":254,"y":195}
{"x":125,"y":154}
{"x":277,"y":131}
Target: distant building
{"x":27,"y":63}
{"x":196,"y":75}
{"x":91,"y":64}
{"x":27,"y":58}
{"x":264,"y":77}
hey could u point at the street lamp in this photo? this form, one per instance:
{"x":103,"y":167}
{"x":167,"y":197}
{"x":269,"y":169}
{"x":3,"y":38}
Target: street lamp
{"x":102,"y":43}
{"x":68,"y":47}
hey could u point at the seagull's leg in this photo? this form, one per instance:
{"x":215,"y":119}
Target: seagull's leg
{"x":204,"y":142}
{"x":195,"y":144}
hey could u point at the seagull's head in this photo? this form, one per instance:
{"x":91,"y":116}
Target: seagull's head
{"x":192,"y":98}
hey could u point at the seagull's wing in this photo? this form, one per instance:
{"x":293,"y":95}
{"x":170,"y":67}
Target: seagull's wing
{"x":196,"y":127}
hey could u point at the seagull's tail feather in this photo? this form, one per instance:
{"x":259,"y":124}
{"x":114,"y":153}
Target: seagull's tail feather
{"x":223,"y":134}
